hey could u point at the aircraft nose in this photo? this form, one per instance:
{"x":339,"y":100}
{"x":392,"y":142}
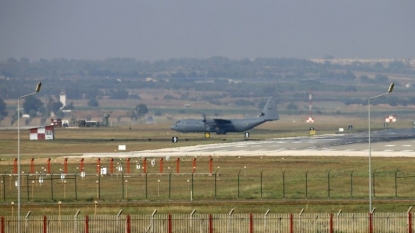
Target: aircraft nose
{"x":173,"y":127}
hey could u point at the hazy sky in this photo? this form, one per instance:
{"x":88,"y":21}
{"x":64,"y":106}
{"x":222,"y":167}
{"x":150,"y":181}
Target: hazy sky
{"x":162,"y":29}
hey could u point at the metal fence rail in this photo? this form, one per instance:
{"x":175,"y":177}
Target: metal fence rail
{"x":204,"y":186}
{"x":214,"y":223}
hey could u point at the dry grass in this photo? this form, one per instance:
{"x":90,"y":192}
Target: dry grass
{"x":82,"y":140}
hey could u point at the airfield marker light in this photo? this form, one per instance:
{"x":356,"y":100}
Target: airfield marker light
{"x":18,"y":151}
{"x":390,"y":89}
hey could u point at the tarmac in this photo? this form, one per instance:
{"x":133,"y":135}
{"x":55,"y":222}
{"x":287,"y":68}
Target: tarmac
{"x":384,"y":143}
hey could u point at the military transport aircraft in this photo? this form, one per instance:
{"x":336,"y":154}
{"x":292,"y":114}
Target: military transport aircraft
{"x":223,"y":126}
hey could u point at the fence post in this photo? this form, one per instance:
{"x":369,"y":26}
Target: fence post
{"x":306,"y":184}
{"x":265,"y":219}
{"x":177,"y":165}
{"x":351,"y":184}
{"x":4,"y":186}
{"x":128,"y":166}
{"x":75,"y":223}
{"x":27,"y":186}
{"x":2,"y":224}
{"x":45,"y":222}
{"x":337,"y":219}
{"x":51,"y":184}
{"x":86,"y":224}
{"x":328,"y":183}
{"x":146,"y":185}
{"x":228,"y":223}
{"x":283,"y":184}
{"x":251,"y":223}
{"x":98,"y":165}
{"x":128,"y":224}
{"x":32,"y":166}
{"x":373,"y":183}
{"x":76,"y":187}
{"x":331,"y":222}
{"x":111,"y":166}
{"x":370,"y":223}
{"x":238,"y":182}
{"x":215,"y":182}
{"x":170,"y":230}
{"x":161,"y":166}
{"x":396,"y":184}
{"x":48,"y":167}
{"x":15,"y":166}
{"x":291,"y":223}
{"x":210,"y":223}
{"x":65,"y":166}
{"x":169,"y":185}
{"x":194,"y":165}
{"x":261,"y":183}
{"x":409,"y":219}
{"x":210,"y":165}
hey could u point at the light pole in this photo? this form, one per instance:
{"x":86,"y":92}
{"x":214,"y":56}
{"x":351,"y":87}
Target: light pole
{"x":18,"y":152}
{"x":370,"y":147}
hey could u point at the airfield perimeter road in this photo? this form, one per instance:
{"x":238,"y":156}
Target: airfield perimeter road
{"x":385,"y":143}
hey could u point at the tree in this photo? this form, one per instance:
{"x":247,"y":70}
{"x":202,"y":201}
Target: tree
{"x":3,"y":106}
{"x":93,"y":102}
{"x":69,"y":106}
{"x":381,"y":78}
{"x":32,"y":105}
{"x":141,"y":110}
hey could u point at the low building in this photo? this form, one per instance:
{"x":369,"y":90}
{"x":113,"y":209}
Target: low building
{"x":42,"y":133}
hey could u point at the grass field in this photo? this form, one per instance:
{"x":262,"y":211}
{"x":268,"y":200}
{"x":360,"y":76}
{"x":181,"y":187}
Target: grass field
{"x":327,"y":187}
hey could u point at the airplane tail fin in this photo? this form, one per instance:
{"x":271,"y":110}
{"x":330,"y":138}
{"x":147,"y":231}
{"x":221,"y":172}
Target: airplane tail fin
{"x":270,"y":111}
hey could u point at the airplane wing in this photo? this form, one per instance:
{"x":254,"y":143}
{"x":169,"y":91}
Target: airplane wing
{"x":222,"y":121}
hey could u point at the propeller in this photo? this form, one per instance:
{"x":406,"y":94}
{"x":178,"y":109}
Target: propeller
{"x":209,"y":124}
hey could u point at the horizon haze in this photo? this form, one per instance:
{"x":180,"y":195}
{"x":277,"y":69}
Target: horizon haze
{"x":160,"y":30}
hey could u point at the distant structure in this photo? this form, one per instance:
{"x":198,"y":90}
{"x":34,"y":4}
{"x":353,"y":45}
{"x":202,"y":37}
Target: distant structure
{"x":56,"y":122}
{"x":85,"y":123}
{"x":62,"y":99}
{"x":42,"y":133}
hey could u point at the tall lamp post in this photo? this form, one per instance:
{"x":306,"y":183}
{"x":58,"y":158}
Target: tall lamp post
{"x":18,"y":152}
{"x":370,"y":147}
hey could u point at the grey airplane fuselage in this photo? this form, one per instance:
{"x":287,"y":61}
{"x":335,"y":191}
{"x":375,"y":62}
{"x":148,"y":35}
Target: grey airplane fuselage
{"x":234,"y":125}
{"x":223,"y":125}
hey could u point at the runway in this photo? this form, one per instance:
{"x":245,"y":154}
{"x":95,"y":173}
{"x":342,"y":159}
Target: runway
{"x":384,"y":143}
